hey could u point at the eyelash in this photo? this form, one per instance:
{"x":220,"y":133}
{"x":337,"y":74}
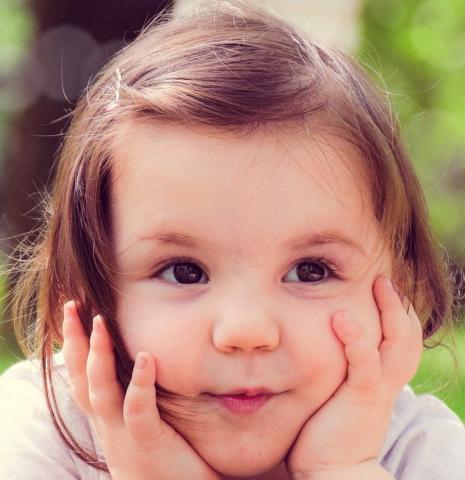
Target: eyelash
{"x":332,"y":271}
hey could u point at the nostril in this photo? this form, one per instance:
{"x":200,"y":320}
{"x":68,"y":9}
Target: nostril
{"x":230,"y":338}
{"x":232,"y":348}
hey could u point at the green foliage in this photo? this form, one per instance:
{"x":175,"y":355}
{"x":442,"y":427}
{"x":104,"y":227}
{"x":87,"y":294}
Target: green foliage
{"x":418,"y":48}
{"x":15,"y":32}
{"x":442,"y":372}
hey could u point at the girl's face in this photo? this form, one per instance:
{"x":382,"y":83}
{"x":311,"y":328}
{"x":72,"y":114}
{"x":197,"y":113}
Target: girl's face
{"x":234,"y":253}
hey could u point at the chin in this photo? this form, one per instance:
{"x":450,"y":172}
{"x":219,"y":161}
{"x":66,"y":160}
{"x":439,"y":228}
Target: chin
{"x":244,"y":457}
{"x":239,"y":467}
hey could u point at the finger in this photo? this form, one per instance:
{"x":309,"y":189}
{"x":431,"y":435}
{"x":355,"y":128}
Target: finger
{"x":364,"y":367}
{"x":75,"y":353}
{"x":415,"y":324}
{"x":393,"y":320}
{"x":416,"y":335}
{"x":417,"y":329}
{"x":397,"y":354}
{"x":105,"y":393}
{"x":140,"y":404}
{"x":405,"y":303}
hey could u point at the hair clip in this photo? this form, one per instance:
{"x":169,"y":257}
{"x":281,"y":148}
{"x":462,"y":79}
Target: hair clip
{"x":114,"y":103}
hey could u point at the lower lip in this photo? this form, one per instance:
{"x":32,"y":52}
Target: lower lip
{"x":243,"y":404}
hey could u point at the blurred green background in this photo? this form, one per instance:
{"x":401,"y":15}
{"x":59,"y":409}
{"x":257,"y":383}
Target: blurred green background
{"x":418,"y":48}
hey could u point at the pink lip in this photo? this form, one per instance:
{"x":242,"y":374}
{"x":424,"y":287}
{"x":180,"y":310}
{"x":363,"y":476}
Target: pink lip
{"x":245,"y":400}
{"x":249,"y":392}
{"x":245,"y":404}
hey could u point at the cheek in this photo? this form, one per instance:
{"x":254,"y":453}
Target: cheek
{"x":317,"y":358}
{"x":314,"y":346}
{"x":152,"y":328}
{"x":319,"y":347}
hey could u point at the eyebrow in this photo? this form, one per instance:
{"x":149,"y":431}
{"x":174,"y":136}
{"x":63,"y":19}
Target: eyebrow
{"x":299,"y":243}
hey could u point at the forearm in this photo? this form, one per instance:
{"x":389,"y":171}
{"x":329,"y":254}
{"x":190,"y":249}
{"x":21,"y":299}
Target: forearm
{"x":363,"y":471}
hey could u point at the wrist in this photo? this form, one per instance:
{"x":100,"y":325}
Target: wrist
{"x":369,"y":470}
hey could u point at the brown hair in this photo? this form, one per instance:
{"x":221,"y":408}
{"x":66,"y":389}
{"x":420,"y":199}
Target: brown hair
{"x":234,"y":68}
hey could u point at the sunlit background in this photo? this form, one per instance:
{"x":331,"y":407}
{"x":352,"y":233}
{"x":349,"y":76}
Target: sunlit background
{"x":414,"y":48}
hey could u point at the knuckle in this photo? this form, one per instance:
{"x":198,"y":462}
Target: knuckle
{"x":135,"y":406}
{"x":100,"y":376}
{"x":96,"y":345}
{"x":99,"y":400}
{"x":102,"y":385}
{"x":368,"y":383}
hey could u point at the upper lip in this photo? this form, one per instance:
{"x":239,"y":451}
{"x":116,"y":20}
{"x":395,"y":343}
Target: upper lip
{"x":248,"y":392}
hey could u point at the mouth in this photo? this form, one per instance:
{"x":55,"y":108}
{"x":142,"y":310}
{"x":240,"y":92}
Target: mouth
{"x":243,"y":400}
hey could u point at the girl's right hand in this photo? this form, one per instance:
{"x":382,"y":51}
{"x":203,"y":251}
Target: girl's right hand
{"x":136,"y":442}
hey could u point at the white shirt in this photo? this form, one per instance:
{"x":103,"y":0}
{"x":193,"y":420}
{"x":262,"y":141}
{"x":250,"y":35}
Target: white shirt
{"x":425,"y":440}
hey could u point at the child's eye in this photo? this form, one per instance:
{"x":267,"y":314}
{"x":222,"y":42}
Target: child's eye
{"x":314,"y":270}
{"x":186,"y":271}
{"x":182,"y":270}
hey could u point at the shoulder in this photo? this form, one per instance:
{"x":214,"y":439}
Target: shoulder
{"x":21,"y":387}
{"x":426,"y":440}
{"x":20,"y":394}
{"x":28,"y":437}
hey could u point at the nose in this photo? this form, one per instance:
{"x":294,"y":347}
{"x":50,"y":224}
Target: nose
{"x":245,"y":328}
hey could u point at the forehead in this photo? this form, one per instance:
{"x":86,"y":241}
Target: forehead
{"x":142,"y":147}
{"x":243,"y":187}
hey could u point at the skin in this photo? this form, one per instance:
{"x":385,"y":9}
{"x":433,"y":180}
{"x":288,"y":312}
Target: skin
{"x":337,"y":350}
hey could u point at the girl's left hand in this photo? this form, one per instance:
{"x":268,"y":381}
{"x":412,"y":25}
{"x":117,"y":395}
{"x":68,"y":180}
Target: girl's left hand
{"x":350,"y":427}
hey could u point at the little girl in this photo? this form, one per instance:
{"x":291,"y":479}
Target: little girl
{"x":235,"y":275}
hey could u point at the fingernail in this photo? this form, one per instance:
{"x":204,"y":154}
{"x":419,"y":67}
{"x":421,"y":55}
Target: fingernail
{"x":141,"y":361}
{"x":97,"y":324}
{"x":68,"y":305}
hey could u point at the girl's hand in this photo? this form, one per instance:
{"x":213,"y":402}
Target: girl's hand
{"x":136,"y":442}
{"x":350,"y":427}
